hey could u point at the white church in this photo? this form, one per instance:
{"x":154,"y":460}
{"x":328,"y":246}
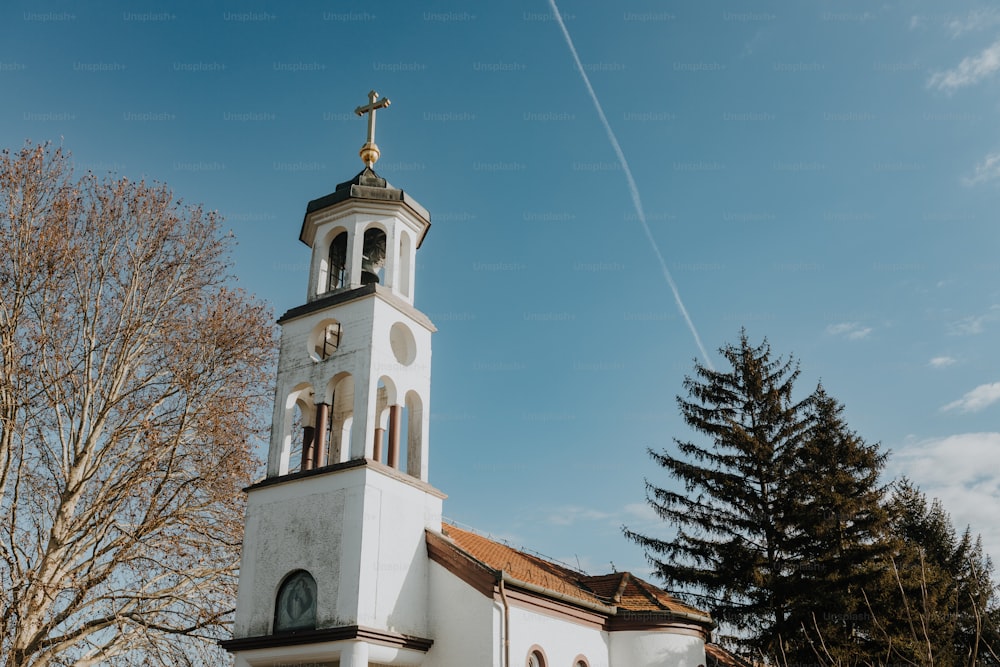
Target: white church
{"x":346,"y":560}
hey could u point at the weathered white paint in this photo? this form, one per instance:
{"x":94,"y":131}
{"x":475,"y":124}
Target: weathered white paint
{"x":364,"y":357}
{"x":281,"y":537}
{"x":359,"y":532}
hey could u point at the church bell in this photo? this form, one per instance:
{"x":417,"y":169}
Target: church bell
{"x":372,"y":256}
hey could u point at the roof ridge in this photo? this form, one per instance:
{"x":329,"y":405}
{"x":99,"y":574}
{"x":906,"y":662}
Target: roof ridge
{"x":641,"y":584}
{"x":621,"y":587}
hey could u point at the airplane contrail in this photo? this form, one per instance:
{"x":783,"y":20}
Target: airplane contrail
{"x":636,"y":201}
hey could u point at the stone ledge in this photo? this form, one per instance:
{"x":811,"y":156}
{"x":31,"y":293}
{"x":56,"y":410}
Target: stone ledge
{"x":342,"y":633}
{"x":349,"y":465}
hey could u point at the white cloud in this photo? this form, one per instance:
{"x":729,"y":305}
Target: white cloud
{"x":987,"y":170}
{"x":962,"y":470}
{"x":570,"y":514}
{"x":641,"y":511}
{"x":978,"y":399}
{"x":977,"y":19}
{"x":849,"y":330}
{"x":973,"y":324}
{"x":970,"y":71}
{"x":941,"y":362}
{"x":917,"y":21}
{"x":633,"y":514}
{"x":967,"y":326}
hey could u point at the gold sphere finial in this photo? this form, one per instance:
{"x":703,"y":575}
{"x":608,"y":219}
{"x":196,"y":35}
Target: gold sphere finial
{"x":369,"y":154}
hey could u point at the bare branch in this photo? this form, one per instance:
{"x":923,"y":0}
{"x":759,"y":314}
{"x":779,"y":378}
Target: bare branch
{"x":126,"y":418}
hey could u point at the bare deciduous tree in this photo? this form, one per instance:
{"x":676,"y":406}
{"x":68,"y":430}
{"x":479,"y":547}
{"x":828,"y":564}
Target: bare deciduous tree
{"x":132,"y":377}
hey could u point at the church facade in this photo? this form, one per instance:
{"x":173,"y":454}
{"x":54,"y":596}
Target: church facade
{"x":346,"y":560}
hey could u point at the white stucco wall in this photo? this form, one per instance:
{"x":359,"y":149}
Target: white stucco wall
{"x":292,"y":527}
{"x":656,"y":649}
{"x":393,"y":567}
{"x":560,"y":639}
{"x":464,"y":623}
{"x":359,"y":532}
{"x":467,"y":630}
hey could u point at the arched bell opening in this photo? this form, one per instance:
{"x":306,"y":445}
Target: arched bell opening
{"x":332,"y":252}
{"x":385,"y":446}
{"x":413,"y":414}
{"x":373,"y":256}
{"x":303,"y":453}
{"x":340,"y":423}
{"x":297,"y":433}
{"x":295,"y":443}
{"x":405,"y":265}
{"x":404,"y":438}
{"x":337,"y":263}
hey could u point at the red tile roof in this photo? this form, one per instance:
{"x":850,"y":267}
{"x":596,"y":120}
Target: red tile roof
{"x":716,"y":656}
{"x":620,"y":589}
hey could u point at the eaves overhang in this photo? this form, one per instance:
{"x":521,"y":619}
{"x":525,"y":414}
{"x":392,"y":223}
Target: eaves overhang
{"x":367,"y":186}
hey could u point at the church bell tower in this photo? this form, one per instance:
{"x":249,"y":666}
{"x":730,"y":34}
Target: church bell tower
{"x":334,"y":568}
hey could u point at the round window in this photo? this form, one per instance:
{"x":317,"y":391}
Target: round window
{"x":404,"y":347}
{"x":324,"y":339}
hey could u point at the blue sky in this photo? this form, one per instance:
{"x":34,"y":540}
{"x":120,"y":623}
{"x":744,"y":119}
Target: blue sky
{"x":824,"y":174}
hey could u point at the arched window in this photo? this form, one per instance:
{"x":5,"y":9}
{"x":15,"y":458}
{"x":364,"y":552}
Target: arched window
{"x":580,"y":661}
{"x":404,"y":264}
{"x":337,"y":274}
{"x":295,"y":606}
{"x":293,"y":424}
{"x":536,"y":658}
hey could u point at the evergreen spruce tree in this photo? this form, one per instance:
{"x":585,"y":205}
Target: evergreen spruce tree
{"x":840,"y":528}
{"x":783,"y":531}
{"x":732,"y":550}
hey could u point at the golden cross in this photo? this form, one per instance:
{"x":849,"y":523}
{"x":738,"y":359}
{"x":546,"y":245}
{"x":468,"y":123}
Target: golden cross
{"x":369,"y":152}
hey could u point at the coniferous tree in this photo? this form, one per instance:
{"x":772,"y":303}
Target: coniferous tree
{"x":840,"y":527}
{"x":937,"y":604}
{"x":732,"y":549}
{"x":784,"y":532}
{"x":977,"y":633}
